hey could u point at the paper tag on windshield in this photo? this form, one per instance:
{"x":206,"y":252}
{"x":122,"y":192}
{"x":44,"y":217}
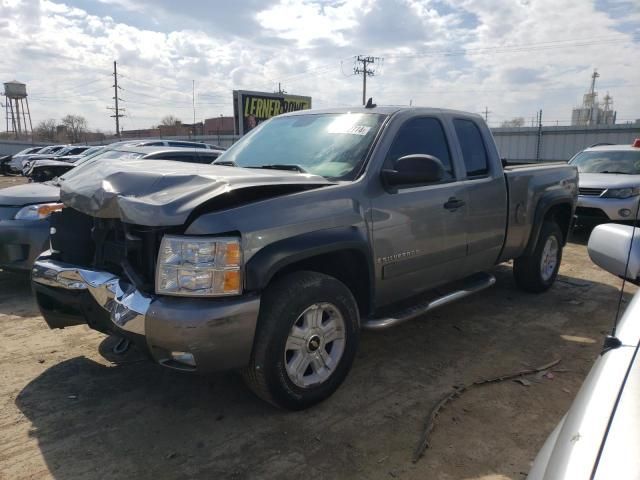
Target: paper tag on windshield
{"x":351,"y":130}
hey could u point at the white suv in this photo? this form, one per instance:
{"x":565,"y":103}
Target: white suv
{"x":609,"y":183}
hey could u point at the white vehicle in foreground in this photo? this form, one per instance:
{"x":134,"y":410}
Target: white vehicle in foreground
{"x":599,"y":437}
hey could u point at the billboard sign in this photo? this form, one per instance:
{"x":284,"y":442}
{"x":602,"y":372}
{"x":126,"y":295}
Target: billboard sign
{"x":252,"y":108}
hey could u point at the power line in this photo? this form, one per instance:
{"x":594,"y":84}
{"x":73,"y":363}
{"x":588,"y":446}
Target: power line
{"x":48,"y":93}
{"x":512,"y":48}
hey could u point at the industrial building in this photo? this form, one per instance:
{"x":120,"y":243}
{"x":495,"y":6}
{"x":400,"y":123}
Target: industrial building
{"x":592,"y":112}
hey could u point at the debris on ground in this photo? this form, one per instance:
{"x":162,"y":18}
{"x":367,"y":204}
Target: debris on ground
{"x":458,"y":390}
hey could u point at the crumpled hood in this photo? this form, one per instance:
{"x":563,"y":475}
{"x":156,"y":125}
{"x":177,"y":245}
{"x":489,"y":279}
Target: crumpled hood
{"x":162,"y":192}
{"x":28,"y":194}
{"x":608,"y":180}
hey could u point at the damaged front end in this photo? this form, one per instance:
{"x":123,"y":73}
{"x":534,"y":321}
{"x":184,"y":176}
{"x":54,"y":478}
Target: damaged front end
{"x":101,"y":268}
{"x":100,"y":272}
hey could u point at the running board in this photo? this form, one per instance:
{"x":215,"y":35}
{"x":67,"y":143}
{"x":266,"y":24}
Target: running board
{"x":466,"y":287}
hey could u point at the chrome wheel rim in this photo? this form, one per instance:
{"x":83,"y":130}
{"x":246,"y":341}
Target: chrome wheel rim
{"x":549,"y":260}
{"x":315,"y":345}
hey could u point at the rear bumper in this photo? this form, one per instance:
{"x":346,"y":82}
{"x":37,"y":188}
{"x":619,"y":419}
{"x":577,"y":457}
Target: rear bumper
{"x":212,"y":334}
{"x":21,"y":241}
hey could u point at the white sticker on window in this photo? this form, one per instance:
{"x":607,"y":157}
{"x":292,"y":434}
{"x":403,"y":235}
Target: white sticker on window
{"x":350,"y":129}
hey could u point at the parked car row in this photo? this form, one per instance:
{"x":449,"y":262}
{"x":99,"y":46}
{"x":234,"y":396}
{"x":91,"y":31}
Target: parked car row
{"x":44,"y":163}
{"x":25,"y":209}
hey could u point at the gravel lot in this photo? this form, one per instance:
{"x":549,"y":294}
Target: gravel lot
{"x":69,"y":408}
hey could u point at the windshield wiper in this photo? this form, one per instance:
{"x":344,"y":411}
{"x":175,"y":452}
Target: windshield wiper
{"x":281,"y":166}
{"x":612,"y":171}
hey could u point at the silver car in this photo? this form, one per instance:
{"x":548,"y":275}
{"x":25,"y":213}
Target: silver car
{"x":599,"y":437}
{"x":609,"y":184}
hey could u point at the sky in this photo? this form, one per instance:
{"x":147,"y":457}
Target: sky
{"x":511,"y":57}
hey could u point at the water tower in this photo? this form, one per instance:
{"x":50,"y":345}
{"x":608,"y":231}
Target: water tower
{"x":17,"y":109}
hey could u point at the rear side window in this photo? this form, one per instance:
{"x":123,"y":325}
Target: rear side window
{"x":474,"y":152}
{"x":422,"y":136}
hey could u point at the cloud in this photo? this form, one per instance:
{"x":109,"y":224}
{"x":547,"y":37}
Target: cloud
{"x":513,"y":56}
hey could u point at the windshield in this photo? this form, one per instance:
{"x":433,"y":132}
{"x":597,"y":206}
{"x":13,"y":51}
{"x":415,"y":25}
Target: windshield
{"x":608,"y":161}
{"x":333,"y":145}
{"x":92,"y":150}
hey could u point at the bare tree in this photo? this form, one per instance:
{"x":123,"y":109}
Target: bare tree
{"x":76,"y":126}
{"x":514,"y":122}
{"x":47,"y":130}
{"x":170,"y":121}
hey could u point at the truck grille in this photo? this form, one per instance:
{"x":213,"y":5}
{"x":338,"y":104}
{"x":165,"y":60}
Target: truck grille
{"x":107,"y":244}
{"x":590,"y":192}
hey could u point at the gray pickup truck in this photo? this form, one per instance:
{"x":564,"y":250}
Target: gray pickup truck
{"x":312,"y":227}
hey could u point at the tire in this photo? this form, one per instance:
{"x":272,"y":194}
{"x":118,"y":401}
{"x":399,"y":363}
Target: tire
{"x":286,"y":339}
{"x":529,"y":272}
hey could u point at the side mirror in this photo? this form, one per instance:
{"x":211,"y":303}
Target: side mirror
{"x":414,"y":170}
{"x":609,"y":247}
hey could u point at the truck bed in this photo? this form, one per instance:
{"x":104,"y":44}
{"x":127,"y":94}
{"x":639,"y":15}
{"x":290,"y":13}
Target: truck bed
{"x":526,"y":184}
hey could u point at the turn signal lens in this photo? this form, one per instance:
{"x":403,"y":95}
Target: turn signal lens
{"x":231,"y":281}
{"x":232,"y":255}
{"x":48,"y":208}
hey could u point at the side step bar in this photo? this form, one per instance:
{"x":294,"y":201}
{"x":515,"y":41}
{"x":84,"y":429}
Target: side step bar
{"x":469,"y":286}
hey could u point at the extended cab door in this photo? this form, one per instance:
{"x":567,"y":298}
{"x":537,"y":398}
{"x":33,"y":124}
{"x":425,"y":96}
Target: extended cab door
{"x":418,"y":231}
{"x":486,"y":189}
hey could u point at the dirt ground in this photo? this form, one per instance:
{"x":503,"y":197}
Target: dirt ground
{"x":70,"y":408}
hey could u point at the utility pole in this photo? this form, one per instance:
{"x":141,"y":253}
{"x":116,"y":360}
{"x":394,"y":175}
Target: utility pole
{"x":539,"y":142}
{"x":193,"y":101}
{"x":116,"y":109}
{"x":280,"y":90}
{"x":486,"y":115}
{"x":366,"y":72}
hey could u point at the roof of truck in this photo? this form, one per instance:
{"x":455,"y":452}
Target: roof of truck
{"x":384,"y":110}
{"x":610,"y":148}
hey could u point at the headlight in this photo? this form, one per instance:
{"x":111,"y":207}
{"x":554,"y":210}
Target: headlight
{"x":197,"y":266}
{"x":38,"y":212}
{"x":622,"y":192}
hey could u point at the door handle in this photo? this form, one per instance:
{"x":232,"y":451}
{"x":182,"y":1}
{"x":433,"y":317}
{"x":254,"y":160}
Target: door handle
{"x":453,"y":203}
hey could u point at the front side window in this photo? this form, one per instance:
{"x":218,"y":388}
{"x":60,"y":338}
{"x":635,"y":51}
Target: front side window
{"x":333,"y":145}
{"x":424,"y":136}
{"x":625,"y":162}
{"x":474,"y":152}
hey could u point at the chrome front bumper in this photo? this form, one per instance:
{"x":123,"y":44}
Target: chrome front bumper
{"x":217,"y":334}
{"x":126,"y":306}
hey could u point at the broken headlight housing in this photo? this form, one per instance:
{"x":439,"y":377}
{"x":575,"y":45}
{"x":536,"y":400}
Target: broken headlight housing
{"x":199,"y":266}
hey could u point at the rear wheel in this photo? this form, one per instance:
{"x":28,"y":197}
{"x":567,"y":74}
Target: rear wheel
{"x":307,"y":338}
{"x":537,"y":272}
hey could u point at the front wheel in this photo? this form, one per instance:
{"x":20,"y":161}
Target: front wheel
{"x":307,"y":338}
{"x":537,"y":272}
